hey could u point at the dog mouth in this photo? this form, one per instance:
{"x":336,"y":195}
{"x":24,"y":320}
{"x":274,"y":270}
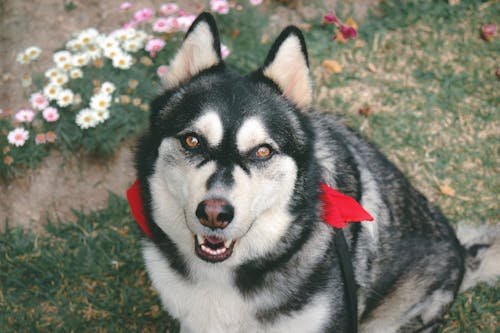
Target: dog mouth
{"x":213,"y":249}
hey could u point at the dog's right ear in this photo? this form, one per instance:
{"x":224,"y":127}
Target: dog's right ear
{"x":200,"y":50}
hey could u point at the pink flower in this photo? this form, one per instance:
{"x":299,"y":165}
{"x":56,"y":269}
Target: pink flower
{"x":40,"y":138}
{"x":162,"y":70}
{"x":168,"y":9}
{"x":348,"y":32}
{"x":38,"y":101}
{"x":154,"y":45}
{"x":185,"y":21}
{"x":224,"y":51}
{"x":330,"y":18}
{"x":219,"y":6}
{"x":126,"y":5}
{"x":50,"y":114}
{"x":488,"y":31}
{"x":25,"y":116}
{"x":143,"y":15}
{"x":18,"y":136}
{"x":130,"y":24}
{"x":255,"y":2}
{"x":169,"y":24}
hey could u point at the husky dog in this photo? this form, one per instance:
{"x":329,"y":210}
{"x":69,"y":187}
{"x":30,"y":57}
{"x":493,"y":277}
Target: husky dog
{"x":230,"y":174}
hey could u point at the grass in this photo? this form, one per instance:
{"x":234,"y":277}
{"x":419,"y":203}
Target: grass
{"x":429,"y":81}
{"x":89,"y":276}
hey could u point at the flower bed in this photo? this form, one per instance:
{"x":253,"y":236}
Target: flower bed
{"x":96,"y":94}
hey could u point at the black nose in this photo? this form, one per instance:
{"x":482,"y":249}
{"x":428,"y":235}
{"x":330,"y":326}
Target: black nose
{"x":215,"y":213}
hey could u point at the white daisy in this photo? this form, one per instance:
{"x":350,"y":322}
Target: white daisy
{"x":86,"y":118}
{"x":61,"y":57}
{"x":108,"y":88}
{"x":65,"y":98}
{"x":112,"y":52}
{"x":132,"y":45}
{"x":52,"y":72}
{"x":75,"y":73}
{"x":108,"y":42}
{"x":123,"y":34}
{"x":66,"y":66}
{"x":23,"y":58}
{"x":51,"y":91}
{"x":88,"y":36}
{"x":94,"y":52}
{"x":102,"y":115}
{"x":74,"y":45}
{"x":141,"y":36}
{"x":33,"y":52}
{"x":59,"y":79}
{"x":100,"y":101}
{"x":122,"y":61}
{"x":18,"y":136}
{"x":80,"y":59}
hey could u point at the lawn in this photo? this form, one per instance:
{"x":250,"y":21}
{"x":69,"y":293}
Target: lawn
{"x":419,"y":81}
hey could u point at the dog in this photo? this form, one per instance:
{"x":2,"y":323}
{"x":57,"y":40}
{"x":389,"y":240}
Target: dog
{"x":232,"y":176}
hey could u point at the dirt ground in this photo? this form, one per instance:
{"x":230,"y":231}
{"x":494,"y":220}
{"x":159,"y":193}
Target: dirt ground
{"x":53,"y":189}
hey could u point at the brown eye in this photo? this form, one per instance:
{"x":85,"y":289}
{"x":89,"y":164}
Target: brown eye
{"x":263,"y":152}
{"x":192,"y":141}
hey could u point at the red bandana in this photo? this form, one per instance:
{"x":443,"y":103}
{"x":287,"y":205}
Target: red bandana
{"x":338,"y":208}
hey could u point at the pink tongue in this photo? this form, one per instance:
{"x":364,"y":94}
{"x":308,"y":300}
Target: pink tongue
{"x":214,"y":240}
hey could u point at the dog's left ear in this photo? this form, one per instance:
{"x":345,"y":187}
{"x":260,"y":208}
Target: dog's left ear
{"x":200,"y":50}
{"x":287,"y":66}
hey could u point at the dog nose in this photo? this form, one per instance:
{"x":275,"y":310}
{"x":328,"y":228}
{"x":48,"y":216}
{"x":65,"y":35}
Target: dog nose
{"x":215,"y":213}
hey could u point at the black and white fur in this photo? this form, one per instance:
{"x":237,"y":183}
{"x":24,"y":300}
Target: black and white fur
{"x":283,"y":273}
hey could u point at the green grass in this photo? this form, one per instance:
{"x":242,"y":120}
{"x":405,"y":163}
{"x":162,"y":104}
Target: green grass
{"x":89,"y":276}
{"x":429,"y":80}
{"x":433,"y":96}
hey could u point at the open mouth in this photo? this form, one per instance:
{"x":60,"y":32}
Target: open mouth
{"x":213,"y":249}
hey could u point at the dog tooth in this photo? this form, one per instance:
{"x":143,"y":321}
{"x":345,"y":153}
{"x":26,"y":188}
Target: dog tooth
{"x":228,"y":243}
{"x":200,"y":239}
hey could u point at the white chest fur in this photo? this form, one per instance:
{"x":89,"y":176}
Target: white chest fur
{"x":215,"y":305}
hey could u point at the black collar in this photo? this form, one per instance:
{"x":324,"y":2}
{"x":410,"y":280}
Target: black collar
{"x":348,"y":279}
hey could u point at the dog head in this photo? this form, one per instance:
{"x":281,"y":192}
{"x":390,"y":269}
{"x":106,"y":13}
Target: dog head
{"x":227,"y":155}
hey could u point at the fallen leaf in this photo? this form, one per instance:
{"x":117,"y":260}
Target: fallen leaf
{"x":365,"y":112}
{"x":447,"y":190}
{"x":264,"y":39}
{"x":453,"y":2}
{"x":235,"y":33}
{"x":359,"y":43}
{"x":372,"y":68}
{"x":332,"y":66}
{"x":305,"y":27}
{"x":349,"y":22}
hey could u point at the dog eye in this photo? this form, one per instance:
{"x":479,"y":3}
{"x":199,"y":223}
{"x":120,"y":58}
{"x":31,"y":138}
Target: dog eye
{"x":263,"y":152}
{"x":191,"y":141}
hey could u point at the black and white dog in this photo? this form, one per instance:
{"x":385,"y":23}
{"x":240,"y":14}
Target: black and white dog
{"x":231,"y":174}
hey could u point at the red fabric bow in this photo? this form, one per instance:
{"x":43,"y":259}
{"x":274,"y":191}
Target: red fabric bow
{"x":337,"y":209}
{"x":135,"y":202}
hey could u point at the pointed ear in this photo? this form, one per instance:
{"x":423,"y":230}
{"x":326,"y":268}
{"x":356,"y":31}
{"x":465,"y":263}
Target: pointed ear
{"x":200,"y":50}
{"x":287,"y":66}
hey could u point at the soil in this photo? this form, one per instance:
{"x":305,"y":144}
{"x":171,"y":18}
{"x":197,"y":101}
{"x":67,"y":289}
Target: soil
{"x":58,"y":186}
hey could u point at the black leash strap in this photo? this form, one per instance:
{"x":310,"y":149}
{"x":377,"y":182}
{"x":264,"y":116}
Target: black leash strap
{"x":348,"y":276}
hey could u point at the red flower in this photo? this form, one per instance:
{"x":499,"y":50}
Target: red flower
{"x":488,"y":31}
{"x":346,"y":30}
{"x":330,"y":18}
